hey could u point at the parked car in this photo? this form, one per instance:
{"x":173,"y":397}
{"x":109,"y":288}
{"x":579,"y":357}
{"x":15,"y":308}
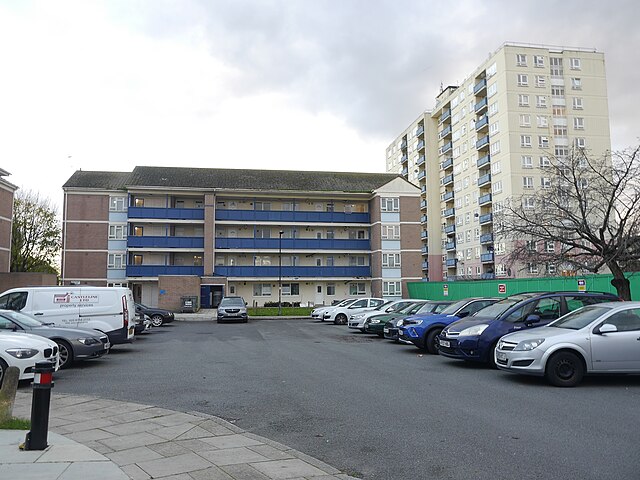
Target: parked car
{"x":73,"y":343}
{"x":158,"y":316}
{"x":375,"y":323}
{"x":340,"y":315}
{"x":143,"y":324}
{"x":318,"y":313}
{"x":390,"y":328}
{"x":475,"y":338}
{"x":356,"y":321}
{"x":24,"y":350}
{"x":423,"y":330}
{"x":597,"y":339}
{"x":232,"y":308}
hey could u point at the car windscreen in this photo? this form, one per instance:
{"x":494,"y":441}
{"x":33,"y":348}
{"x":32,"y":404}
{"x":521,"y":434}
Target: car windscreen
{"x":497,"y":308}
{"x":346,"y":303}
{"x":579,"y":318}
{"x":232,"y":302}
{"x":454,"y":307}
{"x":383,"y":305}
{"x":412,"y":308}
{"x":22,"y":319}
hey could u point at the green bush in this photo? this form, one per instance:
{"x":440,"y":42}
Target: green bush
{"x":286,"y":311}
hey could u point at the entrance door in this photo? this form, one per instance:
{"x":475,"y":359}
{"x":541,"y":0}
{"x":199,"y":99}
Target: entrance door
{"x":319,"y":296}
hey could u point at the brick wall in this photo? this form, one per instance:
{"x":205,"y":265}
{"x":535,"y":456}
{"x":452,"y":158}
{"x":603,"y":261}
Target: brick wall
{"x":87,"y":207}
{"x":27,"y":279}
{"x":92,"y":236}
{"x":172,"y":287}
{"x":85,"y":265}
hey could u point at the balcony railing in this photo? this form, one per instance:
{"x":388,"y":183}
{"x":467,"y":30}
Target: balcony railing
{"x":484,"y":180}
{"x":289,"y":216}
{"x":445,"y":148}
{"x":480,"y":106}
{"x":423,"y":219}
{"x":482,"y":142}
{"x":425,"y":265}
{"x":424,"y":234}
{"x":404,"y":158}
{"x":448,"y":196}
{"x":293,"y":243}
{"x":155,"y":270}
{"x":486,"y":238}
{"x":450,"y":246}
{"x":405,"y":171}
{"x":449,"y":229}
{"x":445,"y":114}
{"x":481,"y":85}
{"x":448,"y":163}
{"x":421,"y":160}
{"x":449,"y":212}
{"x":483,"y":121}
{"x":287,"y":272}
{"x":420,"y":130}
{"x":488,"y":276}
{"x":421,"y":145}
{"x":403,"y":144}
{"x":422,"y":174}
{"x":447,"y":180}
{"x":423,"y":204}
{"x":445,"y":132}
{"x":486,"y":198}
{"x":486,"y":218}
{"x":482,"y":161}
{"x":486,"y":258}
{"x":425,"y":250}
{"x":166,"y":213}
{"x":451,"y":262}
{"x":164,"y":242}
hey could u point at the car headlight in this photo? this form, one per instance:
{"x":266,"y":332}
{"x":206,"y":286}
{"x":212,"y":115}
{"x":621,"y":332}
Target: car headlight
{"x":400,"y":323}
{"x":474,"y":331}
{"x":416,"y":322}
{"x":374,"y":320}
{"x":527,"y":345}
{"x":357,"y":316}
{"x":89,"y":341}
{"x":22,"y":352}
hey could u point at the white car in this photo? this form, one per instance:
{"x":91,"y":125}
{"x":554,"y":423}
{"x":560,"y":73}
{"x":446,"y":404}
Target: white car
{"x":356,"y":320}
{"x":24,"y":350}
{"x":597,"y":339}
{"x":340,"y":315}
{"x":318,"y":313}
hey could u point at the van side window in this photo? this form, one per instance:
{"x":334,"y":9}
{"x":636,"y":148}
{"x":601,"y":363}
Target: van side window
{"x":13,"y":301}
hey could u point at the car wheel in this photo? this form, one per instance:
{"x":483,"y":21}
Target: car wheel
{"x":431,"y":341}
{"x":3,"y":370}
{"x":157,"y":320}
{"x":65,"y":354}
{"x":341,"y":319}
{"x":492,"y":356}
{"x":564,"y":369}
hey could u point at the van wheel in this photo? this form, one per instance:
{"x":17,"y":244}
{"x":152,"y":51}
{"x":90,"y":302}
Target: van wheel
{"x":564,"y":369}
{"x":157,"y":320}
{"x":341,"y":319}
{"x":431,"y":341}
{"x":65,"y":354}
{"x":3,"y":370}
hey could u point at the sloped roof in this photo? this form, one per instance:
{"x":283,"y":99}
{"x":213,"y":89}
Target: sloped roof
{"x":232,"y":179}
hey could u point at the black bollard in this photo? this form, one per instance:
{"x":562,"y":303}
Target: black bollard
{"x":42,"y":384}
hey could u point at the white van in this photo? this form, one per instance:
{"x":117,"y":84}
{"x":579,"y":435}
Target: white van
{"x":108,"y":309}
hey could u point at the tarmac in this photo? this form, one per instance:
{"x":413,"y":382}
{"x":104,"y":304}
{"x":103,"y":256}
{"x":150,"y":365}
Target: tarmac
{"x":93,"y":438}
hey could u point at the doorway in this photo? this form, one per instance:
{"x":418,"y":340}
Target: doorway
{"x":210,"y":295}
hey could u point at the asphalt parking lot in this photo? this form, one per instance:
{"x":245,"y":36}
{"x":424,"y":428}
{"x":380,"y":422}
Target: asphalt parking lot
{"x":375,"y":409}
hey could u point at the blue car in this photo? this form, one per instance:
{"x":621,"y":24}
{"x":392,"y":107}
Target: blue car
{"x":475,"y":338}
{"x":423,"y":330}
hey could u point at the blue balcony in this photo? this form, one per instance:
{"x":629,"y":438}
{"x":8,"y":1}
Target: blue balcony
{"x":292,"y":244}
{"x":164,"y":242}
{"x":405,"y":171}
{"x":424,"y":234}
{"x":488,"y":276}
{"x":451,"y":262}
{"x":166,"y":213}
{"x":445,"y":148}
{"x":486,"y":258}
{"x":481,"y":85}
{"x":450,"y":246}
{"x":422,"y":174}
{"x":448,"y":163}
{"x":445,"y":114}
{"x":423,"y":204}
{"x":449,"y":229}
{"x":423,"y":219}
{"x":425,"y":250}
{"x":447,"y":180}
{"x":425,"y":265}
{"x":486,"y":238}
{"x":484,"y":180}
{"x":482,"y":142}
{"x":449,"y":212}
{"x":480,"y":106}
{"x":404,"y":158}
{"x":484,"y":199}
{"x":423,"y":189}
{"x":421,"y":160}
{"x":448,"y":196}
{"x":482,"y":161}
{"x":404,"y":143}
{"x":291,"y":272}
{"x":155,"y":270}
{"x":445,"y":132}
{"x":482,"y":122}
{"x":288,"y":216}
{"x":420,"y":130}
{"x":486,"y":218}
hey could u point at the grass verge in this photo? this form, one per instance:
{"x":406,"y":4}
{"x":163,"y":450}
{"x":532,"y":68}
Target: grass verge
{"x":286,"y":311}
{"x":15,"y":424}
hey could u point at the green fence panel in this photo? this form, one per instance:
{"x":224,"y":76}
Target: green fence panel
{"x":501,"y":288}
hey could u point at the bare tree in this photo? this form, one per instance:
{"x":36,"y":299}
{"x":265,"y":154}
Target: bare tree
{"x":585,"y":217}
{"x":35,"y":235}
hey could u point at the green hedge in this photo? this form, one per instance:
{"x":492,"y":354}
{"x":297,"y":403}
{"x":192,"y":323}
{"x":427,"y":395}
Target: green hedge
{"x":273,"y":311}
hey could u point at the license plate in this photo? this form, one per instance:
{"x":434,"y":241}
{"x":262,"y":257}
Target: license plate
{"x":385,"y":330}
{"x":445,"y":343}
{"x":131,"y":329}
{"x":501,"y":356}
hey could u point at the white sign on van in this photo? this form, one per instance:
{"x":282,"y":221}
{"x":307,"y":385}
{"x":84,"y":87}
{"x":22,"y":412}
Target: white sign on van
{"x":77,"y":300}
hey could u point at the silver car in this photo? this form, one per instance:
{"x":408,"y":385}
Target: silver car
{"x":597,"y":339}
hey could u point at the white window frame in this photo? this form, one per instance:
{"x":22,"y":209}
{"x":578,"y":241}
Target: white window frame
{"x":389,"y":204}
{"x":357,"y":289}
{"x":523,"y":100}
{"x":521,"y":59}
{"x":261,"y":289}
{"x":391,"y":288}
{"x":390,"y":232}
{"x":117,"y":204}
{"x":525,"y":141}
{"x":116,"y":261}
{"x":525,"y":120}
{"x":117,"y":232}
{"x":523,"y":80}
{"x":577,"y":103}
{"x":576,"y":64}
{"x":527,"y":161}
{"x":527,"y":183}
{"x":578,"y":123}
{"x":391,"y":260}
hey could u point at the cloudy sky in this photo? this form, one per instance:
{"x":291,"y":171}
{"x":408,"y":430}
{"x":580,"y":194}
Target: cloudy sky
{"x":273,"y":84}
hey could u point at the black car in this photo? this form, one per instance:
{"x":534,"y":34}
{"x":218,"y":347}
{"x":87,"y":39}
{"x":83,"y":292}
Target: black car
{"x":158,"y":316}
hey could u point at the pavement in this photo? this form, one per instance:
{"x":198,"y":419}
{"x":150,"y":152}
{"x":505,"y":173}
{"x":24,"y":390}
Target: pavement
{"x":99,"y":439}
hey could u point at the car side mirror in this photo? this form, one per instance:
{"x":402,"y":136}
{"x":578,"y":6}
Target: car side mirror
{"x":531,"y":319}
{"x":606,"y":328}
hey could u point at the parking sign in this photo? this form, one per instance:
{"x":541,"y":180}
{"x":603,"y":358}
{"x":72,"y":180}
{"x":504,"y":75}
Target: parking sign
{"x":582,"y":285}
{"x":445,"y":290}
{"x":502,"y":288}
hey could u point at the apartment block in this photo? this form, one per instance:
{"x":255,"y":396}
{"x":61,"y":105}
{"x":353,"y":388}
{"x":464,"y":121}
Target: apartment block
{"x":483,"y":142}
{"x":6,"y":220}
{"x":302,"y":237}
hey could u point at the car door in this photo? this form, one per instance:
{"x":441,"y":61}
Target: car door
{"x":618,"y":351}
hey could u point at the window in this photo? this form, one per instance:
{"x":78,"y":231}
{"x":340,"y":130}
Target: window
{"x":545,"y":182}
{"x":525,"y":141}
{"x":139,"y":202}
{"x":528,"y":203}
{"x":560,"y":130}
{"x":527,"y":161}
{"x":262,"y":205}
{"x":541,"y":101}
{"x":543,"y":141}
{"x":290,"y":289}
{"x":331,"y":289}
{"x":525,"y":120}
{"x":494,"y":148}
{"x":576,"y":83}
{"x":557,"y":91}
{"x":523,"y":80}
{"x":357,"y":288}
{"x":523,"y":100}
{"x":117,"y":204}
{"x":541,"y":81}
{"x":331,"y":234}
{"x":331,"y":207}
{"x":391,"y":289}
{"x":556,"y":66}
{"x":521,"y":59}
{"x":500,"y":248}
{"x":138,"y":231}
{"x":550,"y":247}
{"x":581,"y":143}
{"x":357,"y":261}
{"x":137,"y":259}
{"x":576,"y":64}
{"x":531,"y":245}
{"x":578,"y":123}
{"x":117,"y":232}
{"x":532,"y":268}
{"x":527,"y":182}
{"x":262,"y":260}
{"x":538,"y":61}
{"x":494,"y":128}
{"x":492,"y":90}
{"x":551,"y":269}
{"x":116,"y":260}
{"x":390,"y":232}
{"x":496,"y":187}
{"x":358,"y":234}
{"x":390,"y":204}
{"x":262,"y":290}
{"x":542,"y":121}
{"x":559,"y":111}
{"x":493,"y":108}
{"x":391,"y":260}
{"x":577,"y":104}
{"x":262,"y":232}
{"x":491,"y":71}
{"x":496,"y":167}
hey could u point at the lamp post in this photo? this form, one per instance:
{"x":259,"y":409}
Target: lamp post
{"x":280,"y":273}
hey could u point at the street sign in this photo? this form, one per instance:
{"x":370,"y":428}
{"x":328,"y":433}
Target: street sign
{"x":502,"y":288}
{"x":445,"y":290}
{"x":582,"y":285}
